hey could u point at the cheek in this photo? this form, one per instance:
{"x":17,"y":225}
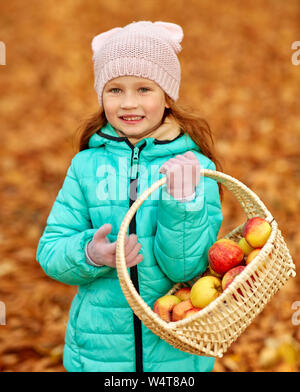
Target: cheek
{"x":110,"y":110}
{"x":156,"y":108}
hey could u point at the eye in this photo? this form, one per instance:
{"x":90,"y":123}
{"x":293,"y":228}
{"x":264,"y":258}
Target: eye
{"x":144,"y":89}
{"x":114,"y":90}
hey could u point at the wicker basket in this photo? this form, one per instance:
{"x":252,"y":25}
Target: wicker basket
{"x":212,"y":330}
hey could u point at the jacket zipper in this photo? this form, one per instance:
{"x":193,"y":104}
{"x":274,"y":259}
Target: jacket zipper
{"x":132,"y":230}
{"x":134,"y":164}
{"x":134,"y":270}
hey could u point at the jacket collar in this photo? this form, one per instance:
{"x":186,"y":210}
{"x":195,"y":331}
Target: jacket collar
{"x":167,"y":131}
{"x":168,"y":139}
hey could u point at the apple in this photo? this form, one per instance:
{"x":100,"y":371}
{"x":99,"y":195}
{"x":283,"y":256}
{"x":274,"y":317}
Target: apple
{"x":164,"y":306}
{"x":228,"y":278}
{"x":213,"y":273}
{"x":223,"y":255}
{"x":180,"y":309}
{"x":246,"y":248}
{"x":205,"y":290}
{"x":210,"y":272}
{"x":184,"y":293}
{"x":252,"y":255}
{"x":256,"y":231}
{"x":191,"y":312}
{"x":230,"y":275}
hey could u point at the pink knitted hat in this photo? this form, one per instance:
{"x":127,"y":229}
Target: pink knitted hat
{"x":144,"y":49}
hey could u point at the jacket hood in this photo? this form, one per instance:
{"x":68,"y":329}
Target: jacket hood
{"x":153,"y":147}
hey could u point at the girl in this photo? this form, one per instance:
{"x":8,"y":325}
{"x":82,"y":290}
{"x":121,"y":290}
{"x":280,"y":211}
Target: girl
{"x":138,"y":135}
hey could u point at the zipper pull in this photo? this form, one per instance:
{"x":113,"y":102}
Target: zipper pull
{"x":134,"y":167}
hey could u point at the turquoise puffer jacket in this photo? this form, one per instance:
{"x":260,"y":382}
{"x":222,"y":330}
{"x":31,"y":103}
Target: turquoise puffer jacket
{"x":103,"y":334}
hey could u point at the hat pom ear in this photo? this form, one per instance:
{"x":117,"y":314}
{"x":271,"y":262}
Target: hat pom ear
{"x":174,"y":29}
{"x":99,"y":40}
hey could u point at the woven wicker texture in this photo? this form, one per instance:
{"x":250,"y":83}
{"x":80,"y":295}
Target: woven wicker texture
{"x":212,"y":330}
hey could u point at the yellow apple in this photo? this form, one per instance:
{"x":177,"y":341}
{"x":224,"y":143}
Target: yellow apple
{"x":246,"y":248}
{"x":213,"y":273}
{"x":252,"y":255}
{"x":205,"y":290}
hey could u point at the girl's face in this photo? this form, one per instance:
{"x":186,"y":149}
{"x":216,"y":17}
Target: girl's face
{"x":134,"y":106}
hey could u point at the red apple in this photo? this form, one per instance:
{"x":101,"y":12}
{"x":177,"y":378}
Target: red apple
{"x":180,"y":309}
{"x":256,"y":232}
{"x":230,"y":275}
{"x":184,"y":293}
{"x":164,"y":306}
{"x":191,"y":312}
{"x":223,"y":255}
{"x":228,"y":278}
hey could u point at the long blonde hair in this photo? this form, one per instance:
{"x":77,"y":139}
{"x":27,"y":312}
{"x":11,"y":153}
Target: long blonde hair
{"x":190,"y":122}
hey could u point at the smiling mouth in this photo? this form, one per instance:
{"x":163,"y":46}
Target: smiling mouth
{"x":132,"y":119}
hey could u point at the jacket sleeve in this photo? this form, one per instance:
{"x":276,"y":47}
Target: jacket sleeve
{"x":186,"y":230}
{"x":61,"y":249}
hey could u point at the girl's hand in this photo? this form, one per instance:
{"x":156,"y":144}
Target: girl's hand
{"x":183,"y":175}
{"x":103,"y":252}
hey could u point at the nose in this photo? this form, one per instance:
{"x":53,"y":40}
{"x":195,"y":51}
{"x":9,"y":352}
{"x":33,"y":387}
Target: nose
{"x":129,"y":101}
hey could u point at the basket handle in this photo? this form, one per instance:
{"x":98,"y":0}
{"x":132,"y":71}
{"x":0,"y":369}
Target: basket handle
{"x":250,"y":202}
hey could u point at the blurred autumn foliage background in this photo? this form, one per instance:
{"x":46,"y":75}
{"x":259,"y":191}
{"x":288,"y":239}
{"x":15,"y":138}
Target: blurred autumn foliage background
{"x":237,"y":71}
